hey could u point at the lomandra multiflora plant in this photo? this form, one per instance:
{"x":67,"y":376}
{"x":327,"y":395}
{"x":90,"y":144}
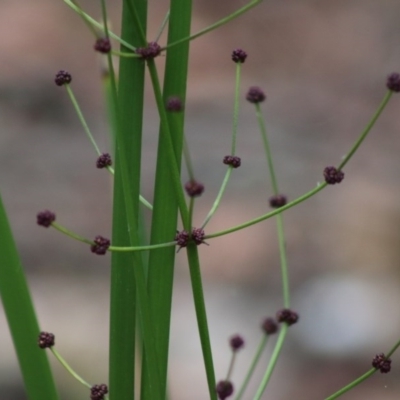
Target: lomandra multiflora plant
{"x":141,"y":286}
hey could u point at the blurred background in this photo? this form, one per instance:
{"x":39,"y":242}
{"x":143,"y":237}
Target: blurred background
{"x":323,"y":66}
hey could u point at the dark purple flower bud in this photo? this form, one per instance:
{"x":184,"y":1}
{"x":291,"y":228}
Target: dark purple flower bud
{"x":234,"y":161}
{"x":269,"y":326}
{"x":236,"y":342}
{"x":46,"y":340}
{"x":239,"y":56}
{"x":333,"y":175}
{"x":194,"y":188}
{"x":277,"y":201}
{"x":182,"y":239}
{"x":45,"y":218}
{"x":174,"y":104}
{"x":255,"y":95}
{"x":151,"y":51}
{"x":104,"y":161}
{"x":382,"y":363}
{"x":393,"y":82}
{"x":103,"y":45}
{"x":288,"y":316}
{"x":224,"y":389}
{"x":62,"y":78}
{"x":198,"y":236}
{"x":97,"y":392}
{"x":100,"y":245}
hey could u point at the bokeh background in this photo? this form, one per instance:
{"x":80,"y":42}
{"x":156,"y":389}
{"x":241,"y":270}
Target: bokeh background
{"x":323,"y":65}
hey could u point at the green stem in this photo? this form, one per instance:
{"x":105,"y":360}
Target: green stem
{"x":221,"y":22}
{"x":162,"y":27}
{"x":361,"y":378}
{"x":82,"y":118}
{"x":236,"y":107}
{"x":71,"y":234}
{"x":272,"y":362}
{"x":201,"y":314}
{"x":253,"y":366}
{"x":98,"y":24}
{"x":217,"y":201}
{"x":68,"y":368}
{"x":368,"y":128}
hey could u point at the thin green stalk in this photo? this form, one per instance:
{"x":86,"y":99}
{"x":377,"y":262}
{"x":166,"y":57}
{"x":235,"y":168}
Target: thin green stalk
{"x":20,"y":314}
{"x":188,"y":159}
{"x":272,"y":362}
{"x":236,"y":107}
{"x":82,"y":118}
{"x":368,"y":128}
{"x":69,"y":369}
{"x":217,"y":201}
{"x":253,"y":366}
{"x":98,"y":24}
{"x":362,"y":378}
{"x":162,"y":27}
{"x":221,"y":22}
{"x":201,"y":314}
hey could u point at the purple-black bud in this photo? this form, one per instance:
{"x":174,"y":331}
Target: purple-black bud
{"x":46,"y":340}
{"x":182,"y":239}
{"x":277,"y":201}
{"x":234,"y":161}
{"x":269,"y":326}
{"x":174,"y":104}
{"x":382,"y":363}
{"x":151,"y":51}
{"x":255,"y":95}
{"x":104,"y":161}
{"x":45,"y":218}
{"x":287,"y":315}
{"x":393,"y":82}
{"x":100,"y":246}
{"x":236,"y":342}
{"x":62,"y":78}
{"x":103,"y":45}
{"x":97,"y":392}
{"x":224,"y":389}
{"x":198,"y":236}
{"x":194,"y":188}
{"x":239,"y":56}
{"x":332,"y":175}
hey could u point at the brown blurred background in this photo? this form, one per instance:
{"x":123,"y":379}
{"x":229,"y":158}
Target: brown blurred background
{"x":323,"y":65}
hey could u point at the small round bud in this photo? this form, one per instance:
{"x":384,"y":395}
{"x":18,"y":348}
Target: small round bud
{"x":255,"y":95}
{"x":277,"y":201}
{"x":194,"y":188}
{"x":288,"y":316}
{"x":239,"y":56}
{"x":46,"y":340}
{"x":62,"y":78}
{"x":224,"y":389}
{"x":234,"y":161}
{"x":393,"y":82}
{"x":100,"y":245}
{"x":174,"y":104}
{"x":333,"y":175}
{"x":182,"y":239}
{"x":151,"y":51}
{"x":104,"y":161}
{"x":103,"y":45}
{"x":382,"y":363}
{"x":269,"y":326}
{"x":97,"y":392}
{"x":45,"y":218}
{"x":198,"y":236}
{"x":236,"y":342}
